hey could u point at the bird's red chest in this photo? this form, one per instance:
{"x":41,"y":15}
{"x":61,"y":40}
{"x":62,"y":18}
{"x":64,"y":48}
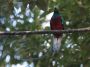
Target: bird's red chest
{"x":56,"y":23}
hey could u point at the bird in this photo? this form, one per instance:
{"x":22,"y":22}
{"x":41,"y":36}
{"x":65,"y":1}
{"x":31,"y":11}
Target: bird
{"x":56,"y":23}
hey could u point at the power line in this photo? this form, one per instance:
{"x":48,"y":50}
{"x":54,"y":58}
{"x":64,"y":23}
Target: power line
{"x":45,"y":31}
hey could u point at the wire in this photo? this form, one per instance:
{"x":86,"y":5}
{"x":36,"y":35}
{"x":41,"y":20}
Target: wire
{"x":45,"y":31}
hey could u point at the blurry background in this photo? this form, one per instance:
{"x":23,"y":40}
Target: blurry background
{"x":34,"y":50}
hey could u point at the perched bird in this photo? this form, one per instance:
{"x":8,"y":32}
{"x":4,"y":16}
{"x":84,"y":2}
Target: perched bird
{"x":56,"y":23}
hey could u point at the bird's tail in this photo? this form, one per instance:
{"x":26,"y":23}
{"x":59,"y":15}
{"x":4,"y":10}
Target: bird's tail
{"x":56,"y":44}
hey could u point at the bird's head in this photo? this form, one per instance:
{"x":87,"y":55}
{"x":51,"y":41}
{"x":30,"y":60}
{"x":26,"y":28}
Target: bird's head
{"x":56,"y":10}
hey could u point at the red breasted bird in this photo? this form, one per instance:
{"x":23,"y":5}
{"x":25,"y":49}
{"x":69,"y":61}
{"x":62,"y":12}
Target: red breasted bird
{"x":56,"y":23}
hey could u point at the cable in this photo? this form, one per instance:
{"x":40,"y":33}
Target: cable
{"x":45,"y":31}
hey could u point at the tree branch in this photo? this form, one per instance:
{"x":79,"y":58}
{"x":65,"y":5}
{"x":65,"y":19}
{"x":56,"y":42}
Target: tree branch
{"x":45,"y":31}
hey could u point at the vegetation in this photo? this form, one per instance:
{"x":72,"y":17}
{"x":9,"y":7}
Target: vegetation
{"x":23,"y":15}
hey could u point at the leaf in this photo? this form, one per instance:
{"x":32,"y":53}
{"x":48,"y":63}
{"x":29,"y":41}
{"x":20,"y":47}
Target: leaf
{"x":30,"y":2}
{"x":42,"y":4}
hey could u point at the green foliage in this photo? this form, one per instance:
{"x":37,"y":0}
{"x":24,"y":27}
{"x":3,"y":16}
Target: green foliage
{"x":75,"y":46}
